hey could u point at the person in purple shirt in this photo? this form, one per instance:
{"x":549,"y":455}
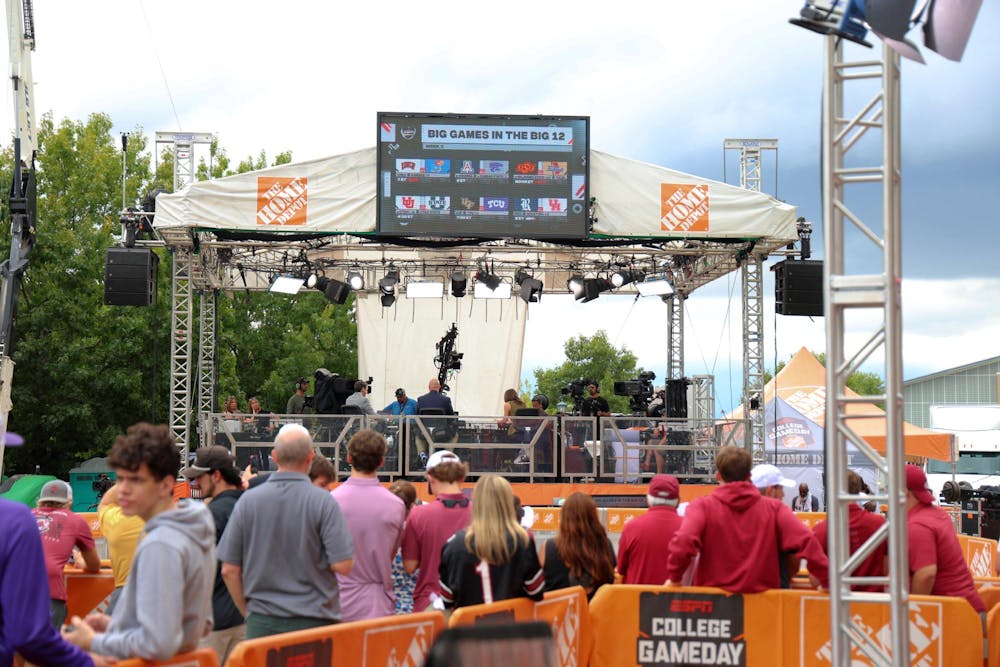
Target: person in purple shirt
{"x":25,"y":621}
{"x":375,"y":519}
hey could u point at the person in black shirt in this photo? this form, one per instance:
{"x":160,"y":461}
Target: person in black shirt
{"x":580,"y":554}
{"x":594,"y":405}
{"x":494,"y":558}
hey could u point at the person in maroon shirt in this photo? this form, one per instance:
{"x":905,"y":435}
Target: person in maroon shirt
{"x":860,"y":525}
{"x":937,"y":566}
{"x":738,"y":534}
{"x":430,"y":525}
{"x":645,"y":539}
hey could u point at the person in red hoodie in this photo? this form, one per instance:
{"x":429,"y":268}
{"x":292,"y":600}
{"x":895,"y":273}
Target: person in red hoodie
{"x":738,"y":534}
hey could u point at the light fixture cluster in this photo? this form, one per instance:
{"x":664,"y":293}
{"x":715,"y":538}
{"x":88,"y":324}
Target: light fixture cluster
{"x":588,"y":289}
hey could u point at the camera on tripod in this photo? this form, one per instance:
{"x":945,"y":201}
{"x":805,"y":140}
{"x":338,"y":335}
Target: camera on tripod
{"x":639,"y":391}
{"x":102,"y":484}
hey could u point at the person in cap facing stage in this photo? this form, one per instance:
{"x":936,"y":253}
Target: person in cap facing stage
{"x":403,"y":405}
{"x":645,"y":538}
{"x":430,"y":525}
{"x":937,"y":566}
{"x":771,"y":483}
{"x":739,"y":533}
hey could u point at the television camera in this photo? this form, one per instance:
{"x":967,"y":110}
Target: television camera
{"x":447,"y":359}
{"x":331,"y":391}
{"x":639,"y":391}
{"x":577,"y":388}
{"x":102,"y":484}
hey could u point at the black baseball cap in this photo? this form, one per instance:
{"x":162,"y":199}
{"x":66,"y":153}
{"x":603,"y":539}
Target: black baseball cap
{"x":207,"y":459}
{"x":400,"y":392}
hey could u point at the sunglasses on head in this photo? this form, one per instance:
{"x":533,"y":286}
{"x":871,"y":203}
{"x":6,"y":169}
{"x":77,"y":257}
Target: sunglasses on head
{"x":452,"y":502}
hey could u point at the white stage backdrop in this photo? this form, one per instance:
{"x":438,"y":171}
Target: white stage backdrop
{"x":397,"y":346}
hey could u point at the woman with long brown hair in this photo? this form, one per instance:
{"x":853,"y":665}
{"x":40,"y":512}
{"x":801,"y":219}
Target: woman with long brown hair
{"x":494,"y":558}
{"x":581,"y":553}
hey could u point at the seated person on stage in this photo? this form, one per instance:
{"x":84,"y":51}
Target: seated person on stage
{"x":511,"y":404}
{"x":257,"y":421}
{"x":231,"y":416}
{"x":403,"y":405}
{"x":359,"y":398}
{"x":432,"y":400}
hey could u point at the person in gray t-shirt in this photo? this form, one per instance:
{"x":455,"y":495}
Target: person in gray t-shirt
{"x":359,"y":398}
{"x":284,"y":545}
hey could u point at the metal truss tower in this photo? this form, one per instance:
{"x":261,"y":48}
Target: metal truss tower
{"x":751,"y":272}
{"x":207,"y":300}
{"x":182,"y":144}
{"x":875,"y":294}
{"x":675,"y":337}
{"x":180,"y":345}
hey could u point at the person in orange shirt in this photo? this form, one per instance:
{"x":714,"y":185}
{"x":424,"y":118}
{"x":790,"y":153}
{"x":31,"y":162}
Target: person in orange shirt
{"x":122,"y":534}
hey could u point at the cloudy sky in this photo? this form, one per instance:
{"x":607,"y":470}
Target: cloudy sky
{"x":662,"y":82}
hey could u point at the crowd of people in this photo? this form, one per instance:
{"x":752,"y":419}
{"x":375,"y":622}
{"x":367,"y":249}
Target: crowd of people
{"x":283,"y":553}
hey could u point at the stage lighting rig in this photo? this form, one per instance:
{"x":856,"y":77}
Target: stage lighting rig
{"x":447,"y":358}
{"x":458,"y":284}
{"x":388,"y":287}
{"x":530,"y":288}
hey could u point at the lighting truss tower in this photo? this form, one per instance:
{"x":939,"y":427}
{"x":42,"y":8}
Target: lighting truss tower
{"x":183,"y":144}
{"x":752,"y":275}
{"x":877,"y":291}
{"x":207,"y":301}
{"x":180,"y":346}
{"x":675,"y":337}
{"x":703,"y":398}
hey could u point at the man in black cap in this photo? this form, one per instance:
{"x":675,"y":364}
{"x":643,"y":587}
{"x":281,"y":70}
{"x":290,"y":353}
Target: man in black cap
{"x":403,"y":405}
{"x":595,"y":405}
{"x":297,"y":402}
{"x":215,"y":479}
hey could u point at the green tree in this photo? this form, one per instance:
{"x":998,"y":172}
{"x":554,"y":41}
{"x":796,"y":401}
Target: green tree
{"x":593,"y":358}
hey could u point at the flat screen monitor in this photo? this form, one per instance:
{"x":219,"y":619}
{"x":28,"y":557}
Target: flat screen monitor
{"x":471,"y":176}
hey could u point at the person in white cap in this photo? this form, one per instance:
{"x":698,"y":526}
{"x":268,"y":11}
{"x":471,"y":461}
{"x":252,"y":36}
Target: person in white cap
{"x":770,"y":481}
{"x":430,"y":525}
{"x":61,"y":532}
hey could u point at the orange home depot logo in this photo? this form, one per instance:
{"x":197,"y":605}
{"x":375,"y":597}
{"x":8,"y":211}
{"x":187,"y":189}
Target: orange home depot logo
{"x":683,"y":208}
{"x":926,"y":640}
{"x":282,"y":201}
{"x":398,"y":646}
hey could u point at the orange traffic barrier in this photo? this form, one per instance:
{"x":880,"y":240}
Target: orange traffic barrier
{"x":566,"y":611}
{"x":810,"y":518}
{"x":93,"y":521}
{"x":615,"y":518}
{"x":993,"y":636}
{"x":979,"y":553}
{"x":87,"y":592}
{"x":391,"y":640}
{"x":203,"y":657}
{"x":657,"y":625}
{"x":546,"y":518}
{"x":990,"y":595}
{"x":515,"y":610}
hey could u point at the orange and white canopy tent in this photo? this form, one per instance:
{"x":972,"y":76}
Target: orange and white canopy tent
{"x":801,"y":386}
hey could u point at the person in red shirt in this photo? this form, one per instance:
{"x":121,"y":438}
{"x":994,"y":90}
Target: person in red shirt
{"x":430,"y":525}
{"x":861,"y":524}
{"x":738,"y":534}
{"x":645,"y":538}
{"x":61,"y":532}
{"x":937,"y":566}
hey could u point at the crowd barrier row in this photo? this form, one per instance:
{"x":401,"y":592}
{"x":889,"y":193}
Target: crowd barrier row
{"x":641,"y":625}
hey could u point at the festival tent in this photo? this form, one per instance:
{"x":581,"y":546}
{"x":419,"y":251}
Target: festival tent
{"x":794,"y":424}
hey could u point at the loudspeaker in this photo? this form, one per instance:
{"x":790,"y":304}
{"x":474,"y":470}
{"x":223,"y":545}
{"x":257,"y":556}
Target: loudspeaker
{"x":798,"y":287}
{"x":130,"y":277}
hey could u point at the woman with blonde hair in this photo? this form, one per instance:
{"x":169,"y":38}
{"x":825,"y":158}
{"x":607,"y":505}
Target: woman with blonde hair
{"x":494,"y":558}
{"x":581,"y":553}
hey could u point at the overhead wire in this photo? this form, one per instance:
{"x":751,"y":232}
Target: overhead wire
{"x":163,"y":73}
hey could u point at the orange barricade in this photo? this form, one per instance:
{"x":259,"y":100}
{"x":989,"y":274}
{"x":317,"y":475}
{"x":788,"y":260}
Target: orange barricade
{"x":203,"y":657}
{"x":655,"y":625}
{"x":993,"y":636}
{"x":979,"y":553}
{"x":546,"y":518}
{"x":810,"y":518}
{"x":516,"y":610}
{"x":87,"y":591}
{"x":566,"y":611}
{"x":390,"y":640}
{"x":990,"y":595}
{"x":93,"y":522}
{"x":616,"y":518}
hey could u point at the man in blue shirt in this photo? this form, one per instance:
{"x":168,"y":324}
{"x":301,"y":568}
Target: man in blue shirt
{"x":402,"y":405}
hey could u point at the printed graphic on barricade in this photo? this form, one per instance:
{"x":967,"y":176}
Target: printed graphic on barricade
{"x":690,"y":628}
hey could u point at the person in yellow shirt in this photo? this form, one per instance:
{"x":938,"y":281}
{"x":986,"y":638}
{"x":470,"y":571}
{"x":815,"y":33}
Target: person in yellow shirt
{"x":122,"y":533}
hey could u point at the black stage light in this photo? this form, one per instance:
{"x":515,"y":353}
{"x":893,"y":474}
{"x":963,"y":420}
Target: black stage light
{"x":491,"y":280}
{"x":336,"y":291}
{"x":622,"y":277}
{"x":592,"y":288}
{"x":530,"y":289}
{"x":356,"y":280}
{"x":458,"y":284}
{"x":575,"y":285}
{"x":387,"y":286}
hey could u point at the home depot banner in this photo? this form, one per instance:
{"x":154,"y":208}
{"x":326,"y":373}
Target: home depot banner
{"x":653,"y":626}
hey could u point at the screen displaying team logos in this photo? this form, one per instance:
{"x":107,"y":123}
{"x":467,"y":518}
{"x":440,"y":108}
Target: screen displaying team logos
{"x":408,"y":132}
{"x":552,"y":169}
{"x":422,"y":203}
{"x":493,"y":167}
{"x":409,"y":166}
{"x":467,"y":204}
{"x":494,"y":204}
{"x":437,"y":166}
{"x":526,"y":168}
{"x":526,"y":204}
{"x":551,"y":205}
{"x":387,"y":131}
{"x":467,"y":168}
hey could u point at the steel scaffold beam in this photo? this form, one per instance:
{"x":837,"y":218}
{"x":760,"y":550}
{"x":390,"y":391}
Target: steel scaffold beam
{"x":207,"y":301}
{"x":180,"y":347}
{"x":753,"y":351}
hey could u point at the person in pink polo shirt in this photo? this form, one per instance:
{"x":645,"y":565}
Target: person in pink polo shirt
{"x":430,"y":525}
{"x":375,"y":518}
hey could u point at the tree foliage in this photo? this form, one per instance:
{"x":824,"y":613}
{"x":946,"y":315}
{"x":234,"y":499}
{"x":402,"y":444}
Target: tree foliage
{"x":593,"y":358}
{"x":85,"y":371}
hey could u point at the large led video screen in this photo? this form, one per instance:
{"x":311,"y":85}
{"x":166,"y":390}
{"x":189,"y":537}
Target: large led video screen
{"x":461,"y":176}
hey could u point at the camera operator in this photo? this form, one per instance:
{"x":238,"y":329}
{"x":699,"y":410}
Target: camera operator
{"x":594,"y":405}
{"x":297,"y":401}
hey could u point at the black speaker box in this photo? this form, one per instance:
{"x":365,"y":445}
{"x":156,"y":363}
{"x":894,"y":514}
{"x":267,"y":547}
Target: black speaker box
{"x":130,"y":277}
{"x":798,"y":287}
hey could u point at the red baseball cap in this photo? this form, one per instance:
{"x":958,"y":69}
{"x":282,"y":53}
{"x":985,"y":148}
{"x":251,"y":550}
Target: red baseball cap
{"x":664,"y":486}
{"x":916,"y":483}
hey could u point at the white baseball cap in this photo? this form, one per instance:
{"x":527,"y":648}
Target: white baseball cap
{"x":442,"y":456}
{"x":765,"y":475}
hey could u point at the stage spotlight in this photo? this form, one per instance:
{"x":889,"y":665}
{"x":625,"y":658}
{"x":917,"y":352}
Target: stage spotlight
{"x":592,"y":288}
{"x":575,"y":284}
{"x":285,"y":284}
{"x":312,"y":280}
{"x":619,"y":278}
{"x":388,"y":287}
{"x":356,"y":280}
{"x":843,"y":18}
{"x":530,"y":289}
{"x":949,"y":25}
{"x":458,"y":284}
{"x":335,"y":291}
{"x":655,"y":286}
{"x":490,"y":280}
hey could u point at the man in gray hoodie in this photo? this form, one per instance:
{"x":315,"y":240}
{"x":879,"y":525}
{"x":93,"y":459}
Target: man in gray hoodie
{"x":166,"y":605}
